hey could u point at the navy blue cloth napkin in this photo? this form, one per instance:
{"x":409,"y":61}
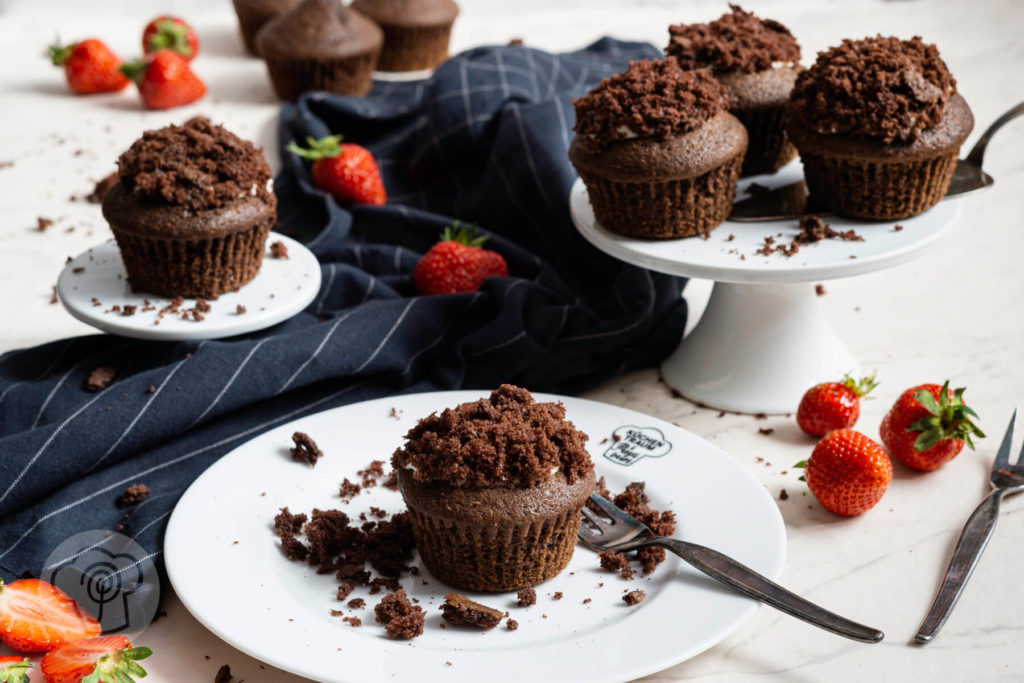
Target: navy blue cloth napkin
{"x":484,"y":140}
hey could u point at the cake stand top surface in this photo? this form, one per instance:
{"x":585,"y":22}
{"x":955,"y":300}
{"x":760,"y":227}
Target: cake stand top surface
{"x":730,"y":252}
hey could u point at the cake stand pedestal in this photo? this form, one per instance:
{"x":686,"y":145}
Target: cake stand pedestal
{"x":762,"y":341}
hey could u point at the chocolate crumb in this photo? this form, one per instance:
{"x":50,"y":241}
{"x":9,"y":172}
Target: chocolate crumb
{"x":43,"y":223}
{"x":136,"y":493}
{"x":897,"y":227}
{"x":458,"y":609}
{"x":557,"y":595}
{"x":348,"y":490}
{"x":357,"y":603}
{"x":783,"y":495}
{"x":512,"y":624}
{"x":100,"y":378}
{"x":152,"y":389}
{"x":765,"y":431}
{"x":345,"y":589}
{"x":586,"y":601}
{"x":615,"y":562}
{"x":526,"y":596}
{"x":223,"y":674}
{"x":400,"y":618}
{"x":53,"y":295}
{"x":129,"y":309}
{"x":305,"y":449}
{"x":634,"y":597}
{"x":353,"y":621}
{"x":78,"y":270}
{"x":278,"y":250}
{"x":819,"y":289}
{"x":239,"y":309}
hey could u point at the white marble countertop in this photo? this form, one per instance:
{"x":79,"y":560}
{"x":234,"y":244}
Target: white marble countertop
{"x":957,"y":312}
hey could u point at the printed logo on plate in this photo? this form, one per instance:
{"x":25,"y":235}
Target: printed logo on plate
{"x":630,"y":443}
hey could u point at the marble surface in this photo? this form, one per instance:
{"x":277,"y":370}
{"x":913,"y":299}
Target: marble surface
{"x":956,"y":312}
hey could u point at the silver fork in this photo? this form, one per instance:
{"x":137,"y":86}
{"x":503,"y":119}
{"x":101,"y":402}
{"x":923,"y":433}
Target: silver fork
{"x":622,"y":532}
{"x":1005,"y":479}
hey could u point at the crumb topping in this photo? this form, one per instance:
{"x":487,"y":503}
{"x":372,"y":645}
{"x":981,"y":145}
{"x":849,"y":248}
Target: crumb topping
{"x":883,"y":88}
{"x":305,"y":449}
{"x":737,"y":41}
{"x":197,"y":165}
{"x":652,"y":99}
{"x":401,"y":619}
{"x":506,"y":440}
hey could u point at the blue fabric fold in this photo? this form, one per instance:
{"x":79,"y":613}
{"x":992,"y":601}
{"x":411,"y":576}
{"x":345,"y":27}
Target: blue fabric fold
{"x":483,"y":141}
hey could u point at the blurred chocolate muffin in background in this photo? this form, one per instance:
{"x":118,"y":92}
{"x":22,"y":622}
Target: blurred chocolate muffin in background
{"x":253,"y":14}
{"x":416,"y":32}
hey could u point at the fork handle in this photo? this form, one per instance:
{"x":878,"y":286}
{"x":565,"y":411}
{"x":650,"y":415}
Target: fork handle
{"x":747,"y":581}
{"x":973,"y":540}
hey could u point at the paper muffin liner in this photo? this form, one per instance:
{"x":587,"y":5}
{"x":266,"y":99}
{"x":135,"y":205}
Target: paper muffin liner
{"x":410,"y":48}
{"x":495,"y":558}
{"x":352,"y":75}
{"x":768,"y":147}
{"x":879,"y":190}
{"x":196,"y":268}
{"x":665,"y":209}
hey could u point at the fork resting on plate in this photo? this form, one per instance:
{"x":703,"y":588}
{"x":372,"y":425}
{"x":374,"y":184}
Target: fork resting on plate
{"x":621,"y":532}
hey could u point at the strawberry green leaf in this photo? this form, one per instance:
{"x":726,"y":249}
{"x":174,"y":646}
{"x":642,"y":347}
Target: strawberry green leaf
{"x":861,"y":387}
{"x":324,"y":148}
{"x":803,"y":478}
{"x":927,"y":439}
{"x":172,"y":36}
{"x":58,"y":53}
{"x":16,"y":673}
{"x":801,"y":464}
{"x":926,"y":399}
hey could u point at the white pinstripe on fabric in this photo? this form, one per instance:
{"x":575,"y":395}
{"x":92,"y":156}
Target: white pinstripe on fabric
{"x":44,"y":373}
{"x":598,"y":335}
{"x":142,"y":411}
{"x":503,"y":344}
{"x":316,"y":352}
{"x":230,"y":381}
{"x":529,"y":159}
{"x":366,"y":294}
{"x":439,"y":338}
{"x":170,"y":463}
{"x":384,"y":341}
{"x":563,"y":121}
{"x":53,"y":391}
{"x":326,"y":289}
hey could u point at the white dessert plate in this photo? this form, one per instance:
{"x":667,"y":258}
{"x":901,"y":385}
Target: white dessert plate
{"x":282,"y":288}
{"x":226,"y":565}
{"x":719,"y":257}
{"x":403,"y":76}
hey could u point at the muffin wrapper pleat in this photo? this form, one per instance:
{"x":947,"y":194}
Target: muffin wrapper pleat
{"x":665,"y":209}
{"x":410,"y":48}
{"x":879,"y":190}
{"x":502,"y":557}
{"x":193,"y":268}
{"x":351,"y":75}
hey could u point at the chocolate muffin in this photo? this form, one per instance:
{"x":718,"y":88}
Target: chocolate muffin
{"x":191,"y":210}
{"x":756,"y":60}
{"x":879,"y":124}
{"x":253,"y":14}
{"x":658,"y":150}
{"x":495,"y":488}
{"x":416,"y":32}
{"x":320,"y":45}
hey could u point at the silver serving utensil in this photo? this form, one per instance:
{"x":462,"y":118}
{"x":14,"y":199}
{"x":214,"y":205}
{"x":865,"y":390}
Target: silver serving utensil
{"x":621,"y":532}
{"x":792,"y":201}
{"x":1005,"y":479}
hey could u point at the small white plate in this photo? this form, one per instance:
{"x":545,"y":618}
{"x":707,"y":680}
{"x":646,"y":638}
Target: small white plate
{"x":718,"y":257}
{"x":226,"y":565}
{"x":402,"y":76}
{"x":282,"y":288}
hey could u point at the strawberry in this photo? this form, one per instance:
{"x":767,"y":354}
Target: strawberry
{"x":14,"y":669}
{"x":457,"y":263}
{"x":348,"y":172}
{"x":847,"y":472}
{"x":928,"y":426}
{"x":165,"y":80}
{"x":107,"y":659}
{"x":833,"y":405}
{"x":89,"y":66}
{"x":171,"y":33}
{"x":36,"y":617}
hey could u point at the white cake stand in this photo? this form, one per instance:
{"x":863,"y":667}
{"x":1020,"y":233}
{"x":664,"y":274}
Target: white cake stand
{"x":762,"y":340}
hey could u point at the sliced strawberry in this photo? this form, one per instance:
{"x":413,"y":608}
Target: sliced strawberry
{"x":36,"y":617}
{"x":107,"y":659}
{"x":14,"y":669}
